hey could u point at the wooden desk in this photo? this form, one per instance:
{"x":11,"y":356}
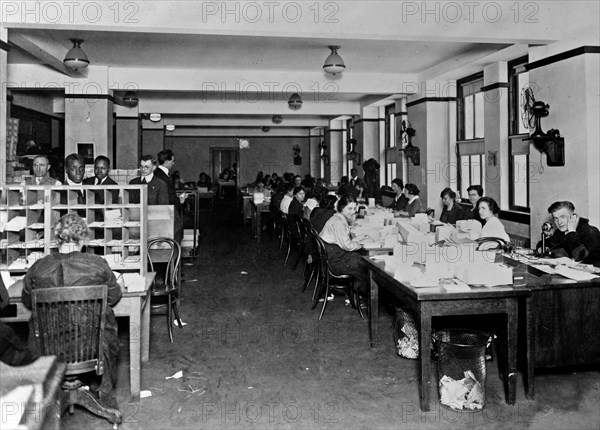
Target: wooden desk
{"x":133,"y":304}
{"x":430,"y":302}
{"x":46,"y":375}
{"x":256,"y":217}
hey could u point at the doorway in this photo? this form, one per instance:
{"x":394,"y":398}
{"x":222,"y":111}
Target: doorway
{"x":225,"y":170}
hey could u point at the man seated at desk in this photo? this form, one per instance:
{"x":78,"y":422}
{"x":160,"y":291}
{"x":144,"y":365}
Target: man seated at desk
{"x":75,"y":170}
{"x":41,"y":171}
{"x":574,"y":236}
{"x":70,"y":267}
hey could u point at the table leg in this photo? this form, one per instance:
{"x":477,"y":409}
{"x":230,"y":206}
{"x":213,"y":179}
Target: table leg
{"x":373,"y":311}
{"x":530,"y":350}
{"x":135,"y":365}
{"x":425,"y":360}
{"x":511,"y":352}
{"x":145,"y":332}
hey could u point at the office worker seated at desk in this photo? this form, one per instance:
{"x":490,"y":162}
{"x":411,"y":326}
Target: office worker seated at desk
{"x":400,"y":200}
{"x":158,"y":193}
{"x":101,"y":171}
{"x":413,"y":206}
{"x":345,"y":187}
{"x":492,"y":227}
{"x":70,"y":267}
{"x":204,"y":181}
{"x":475,"y":193}
{"x":287,"y":198}
{"x":340,"y":245}
{"x":573,"y":237}
{"x":297,"y":204}
{"x":452,"y":211}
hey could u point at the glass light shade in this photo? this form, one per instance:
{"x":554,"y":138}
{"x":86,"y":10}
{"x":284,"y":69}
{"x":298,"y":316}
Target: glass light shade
{"x":155,"y":117}
{"x":170,"y":127}
{"x":334,"y":63}
{"x":76,"y":58}
{"x":130,"y":99}
{"x":295,"y":101}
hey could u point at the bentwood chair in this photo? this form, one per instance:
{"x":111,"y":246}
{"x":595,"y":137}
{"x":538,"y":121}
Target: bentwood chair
{"x":166,"y":290}
{"x":333,"y":282}
{"x":69,"y":322}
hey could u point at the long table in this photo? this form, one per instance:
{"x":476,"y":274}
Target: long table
{"x":430,"y":302}
{"x":133,"y":304}
{"x":257,"y":210}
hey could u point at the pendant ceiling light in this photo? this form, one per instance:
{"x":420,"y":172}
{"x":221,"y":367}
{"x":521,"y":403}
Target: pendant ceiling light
{"x":131,"y":99}
{"x":76,"y":58}
{"x":334,"y":63}
{"x":295,"y":101}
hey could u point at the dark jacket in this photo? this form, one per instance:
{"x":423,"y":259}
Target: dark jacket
{"x":319,"y":217}
{"x":346,"y":189}
{"x":582,"y":245}
{"x":471,"y":213}
{"x":173,"y":200}
{"x":399,"y":203}
{"x":452,"y":215}
{"x":80,"y":269}
{"x":158,"y":193}
{"x":99,"y":196}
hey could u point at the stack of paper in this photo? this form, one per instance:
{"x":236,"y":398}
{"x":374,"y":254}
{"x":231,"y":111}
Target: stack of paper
{"x":134,"y":281}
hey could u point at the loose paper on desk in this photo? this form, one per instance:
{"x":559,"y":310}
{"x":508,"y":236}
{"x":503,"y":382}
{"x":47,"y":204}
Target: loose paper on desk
{"x":5,"y":274}
{"x":134,"y":282}
{"x":18,"y":223}
{"x":577,"y":275}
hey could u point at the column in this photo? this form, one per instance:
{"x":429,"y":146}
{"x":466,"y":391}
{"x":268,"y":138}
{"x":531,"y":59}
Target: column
{"x":4,"y":47}
{"x":495,"y":113}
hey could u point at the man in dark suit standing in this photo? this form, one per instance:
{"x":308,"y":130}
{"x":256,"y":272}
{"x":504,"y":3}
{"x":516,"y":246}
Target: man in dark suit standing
{"x":75,"y":170}
{"x":158,"y":194}
{"x":166,"y":161}
{"x":101,"y":170}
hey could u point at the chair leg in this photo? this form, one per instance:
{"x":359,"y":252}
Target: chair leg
{"x":318,"y":279}
{"x":324,"y":301}
{"x":288,"y":251}
{"x":282,"y":236}
{"x":300,"y":254}
{"x":169,"y":316}
{"x":308,"y":278}
{"x":360,"y":311}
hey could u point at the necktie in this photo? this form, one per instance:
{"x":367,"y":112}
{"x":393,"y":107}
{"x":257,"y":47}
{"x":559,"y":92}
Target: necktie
{"x":97,"y":181}
{"x":143,"y":180}
{"x":37,"y":181}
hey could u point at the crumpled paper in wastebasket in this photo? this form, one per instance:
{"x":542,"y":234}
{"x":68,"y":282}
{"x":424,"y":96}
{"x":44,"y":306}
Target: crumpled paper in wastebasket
{"x":466,"y":393}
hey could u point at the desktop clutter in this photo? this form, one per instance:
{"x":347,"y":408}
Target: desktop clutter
{"x":427,"y":253}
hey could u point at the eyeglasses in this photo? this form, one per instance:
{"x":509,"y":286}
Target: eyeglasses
{"x":145,"y":167}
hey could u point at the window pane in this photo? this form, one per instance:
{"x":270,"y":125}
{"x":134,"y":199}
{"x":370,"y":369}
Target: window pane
{"x":391,"y":131}
{"x":468,"y":120}
{"x":344,"y":152}
{"x":520,"y":184}
{"x":522,"y":82}
{"x":464,"y":174}
{"x":475,"y":169}
{"x":479,"y":119}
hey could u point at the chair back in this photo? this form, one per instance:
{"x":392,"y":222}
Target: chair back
{"x":69,"y":322}
{"x":170,"y":252}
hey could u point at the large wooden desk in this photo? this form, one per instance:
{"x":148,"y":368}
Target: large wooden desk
{"x":430,"y":302}
{"x":134,"y":305}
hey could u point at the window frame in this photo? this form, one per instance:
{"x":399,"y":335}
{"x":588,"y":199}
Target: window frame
{"x":391,"y":164}
{"x":461,"y":141}
{"x":515,"y":68}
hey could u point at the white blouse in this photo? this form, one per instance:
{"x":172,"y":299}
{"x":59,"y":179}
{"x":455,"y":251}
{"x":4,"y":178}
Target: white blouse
{"x":493,"y":228}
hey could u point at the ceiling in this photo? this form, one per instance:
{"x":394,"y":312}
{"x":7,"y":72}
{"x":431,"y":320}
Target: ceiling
{"x":188,"y":67}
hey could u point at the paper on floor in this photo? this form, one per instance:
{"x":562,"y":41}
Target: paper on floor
{"x":176,"y":375}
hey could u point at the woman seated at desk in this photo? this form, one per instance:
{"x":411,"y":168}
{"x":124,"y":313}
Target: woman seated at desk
{"x":70,"y":267}
{"x":321,"y":214}
{"x":400,"y":201}
{"x":413,"y":206}
{"x":492,"y":227}
{"x":340,"y":246}
{"x":452,"y":211}
{"x":204,"y":181}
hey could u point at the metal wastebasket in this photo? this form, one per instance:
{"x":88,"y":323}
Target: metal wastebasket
{"x":461,"y":367}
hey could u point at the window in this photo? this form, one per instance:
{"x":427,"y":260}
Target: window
{"x":349,"y":135}
{"x":470,"y":144}
{"x":470,"y":166}
{"x":519,"y":131}
{"x":390,"y":143}
{"x":345,"y":168}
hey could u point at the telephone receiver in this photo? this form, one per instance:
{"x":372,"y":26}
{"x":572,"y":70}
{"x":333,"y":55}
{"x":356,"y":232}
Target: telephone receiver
{"x":500,"y":243}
